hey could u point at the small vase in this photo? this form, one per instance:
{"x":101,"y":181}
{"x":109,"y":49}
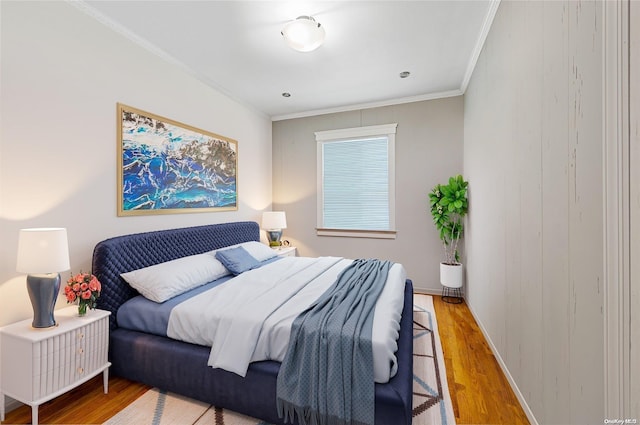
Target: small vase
{"x":82,"y":309}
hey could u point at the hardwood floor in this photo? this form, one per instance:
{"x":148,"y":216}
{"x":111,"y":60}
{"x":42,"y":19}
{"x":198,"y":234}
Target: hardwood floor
{"x":86,"y":404}
{"x":480,"y":393}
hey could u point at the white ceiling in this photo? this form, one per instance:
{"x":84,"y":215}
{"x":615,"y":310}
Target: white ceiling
{"x":236,"y":47}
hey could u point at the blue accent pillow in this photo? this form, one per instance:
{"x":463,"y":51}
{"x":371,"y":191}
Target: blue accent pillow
{"x":237,"y":260}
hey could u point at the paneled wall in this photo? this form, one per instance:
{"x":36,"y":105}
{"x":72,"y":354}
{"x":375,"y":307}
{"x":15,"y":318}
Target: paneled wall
{"x":533,"y":158}
{"x":428,"y":151}
{"x":634,"y":301}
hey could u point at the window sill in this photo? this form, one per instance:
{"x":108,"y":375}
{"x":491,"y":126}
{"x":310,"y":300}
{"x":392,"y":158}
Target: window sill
{"x":352,"y":233}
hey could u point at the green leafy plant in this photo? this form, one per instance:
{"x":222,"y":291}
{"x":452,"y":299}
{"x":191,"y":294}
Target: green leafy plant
{"x":449,"y":205}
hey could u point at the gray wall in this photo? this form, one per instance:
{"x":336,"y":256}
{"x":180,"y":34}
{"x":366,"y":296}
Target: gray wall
{"x":533,"y":157}
{"x":429,"y":143}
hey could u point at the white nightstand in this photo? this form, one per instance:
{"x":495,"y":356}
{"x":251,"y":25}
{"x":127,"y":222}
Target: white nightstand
{"x":286,"y":251}
{"x":41,"y":364}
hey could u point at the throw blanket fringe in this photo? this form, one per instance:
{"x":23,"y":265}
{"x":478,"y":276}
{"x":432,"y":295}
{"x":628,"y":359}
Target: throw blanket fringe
{"x":326,"y":377}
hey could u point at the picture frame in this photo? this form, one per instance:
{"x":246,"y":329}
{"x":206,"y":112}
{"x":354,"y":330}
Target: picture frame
{"x":167,"y":167}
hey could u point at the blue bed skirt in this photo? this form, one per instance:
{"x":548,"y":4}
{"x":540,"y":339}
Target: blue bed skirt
{"x":182,"y":368}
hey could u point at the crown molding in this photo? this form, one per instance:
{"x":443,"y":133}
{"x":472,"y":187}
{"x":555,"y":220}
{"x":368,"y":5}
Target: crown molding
{"x":369,"y":105}
{"x":486,"y":26}
{"x":152,"y":48}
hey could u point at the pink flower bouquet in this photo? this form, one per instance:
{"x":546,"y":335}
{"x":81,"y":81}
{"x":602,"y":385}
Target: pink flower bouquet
{"x":85,"y":288}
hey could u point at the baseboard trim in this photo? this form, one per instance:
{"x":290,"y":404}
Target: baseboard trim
{"x":505,"y":370}
{"x":11,"y":404}
{"x":427,"y":291}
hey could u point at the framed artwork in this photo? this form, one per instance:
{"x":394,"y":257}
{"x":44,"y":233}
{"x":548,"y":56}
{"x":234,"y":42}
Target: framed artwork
{"x":166,"y":167}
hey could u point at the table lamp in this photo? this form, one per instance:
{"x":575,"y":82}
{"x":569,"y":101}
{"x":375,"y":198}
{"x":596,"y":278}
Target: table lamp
{"x":43,"y":253}
{"x":273,"y":222}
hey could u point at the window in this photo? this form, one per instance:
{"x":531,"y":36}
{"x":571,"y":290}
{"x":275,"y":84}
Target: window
{"x":356,"y":182}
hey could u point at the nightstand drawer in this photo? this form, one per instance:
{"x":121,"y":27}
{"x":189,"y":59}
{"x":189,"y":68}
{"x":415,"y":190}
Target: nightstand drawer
{"x":286,"y":251}
{"x":55,"y":362}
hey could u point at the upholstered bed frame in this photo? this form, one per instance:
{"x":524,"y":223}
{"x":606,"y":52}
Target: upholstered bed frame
{"x":181,"y":367}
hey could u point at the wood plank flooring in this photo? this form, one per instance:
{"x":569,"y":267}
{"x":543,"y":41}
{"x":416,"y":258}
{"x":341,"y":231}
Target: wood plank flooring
{"x":479,"y":390}
{"x":480,"y":393}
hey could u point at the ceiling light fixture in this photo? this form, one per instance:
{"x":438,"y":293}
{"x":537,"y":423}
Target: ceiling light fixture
{"x":304,"y":34}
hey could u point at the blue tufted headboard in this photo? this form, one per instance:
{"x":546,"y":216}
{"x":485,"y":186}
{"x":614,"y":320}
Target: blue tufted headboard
{"x":122,"y":254}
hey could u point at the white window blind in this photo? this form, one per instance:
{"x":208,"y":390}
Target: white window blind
{"x":356,"y":182}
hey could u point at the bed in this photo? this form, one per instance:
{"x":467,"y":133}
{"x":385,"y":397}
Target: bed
{"x":181,"y":367}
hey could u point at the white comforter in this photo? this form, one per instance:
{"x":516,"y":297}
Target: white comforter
{"x":249,"y":317}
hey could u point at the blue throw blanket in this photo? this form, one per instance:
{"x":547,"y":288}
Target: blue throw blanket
{"x":326,"y":376}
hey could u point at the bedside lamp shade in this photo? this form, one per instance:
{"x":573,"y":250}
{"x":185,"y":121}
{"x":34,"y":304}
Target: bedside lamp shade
{"x":43,"y":253}
{"x":273,"y":222}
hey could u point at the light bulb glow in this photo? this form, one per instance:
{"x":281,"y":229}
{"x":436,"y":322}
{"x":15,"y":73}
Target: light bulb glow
{"x":304,"y":34}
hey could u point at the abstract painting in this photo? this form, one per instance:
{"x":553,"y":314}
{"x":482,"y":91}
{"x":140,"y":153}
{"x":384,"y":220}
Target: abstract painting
{"x":166,"y":167}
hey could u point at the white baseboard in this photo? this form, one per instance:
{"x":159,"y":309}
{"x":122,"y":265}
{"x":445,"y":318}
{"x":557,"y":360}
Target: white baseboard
{"x":505,"y":370}
{"x":11,"y":404}
{"x":427,"y":291}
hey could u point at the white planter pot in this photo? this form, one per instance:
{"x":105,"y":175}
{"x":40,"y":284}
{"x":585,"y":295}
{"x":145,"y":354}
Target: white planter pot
{"x":451,"y":275}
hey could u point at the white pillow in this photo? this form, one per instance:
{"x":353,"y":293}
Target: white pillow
{"x":257,"y":250}
{"x":167,"y":280}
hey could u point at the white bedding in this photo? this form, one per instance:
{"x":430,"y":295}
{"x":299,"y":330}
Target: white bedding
{"x":249,"y":317}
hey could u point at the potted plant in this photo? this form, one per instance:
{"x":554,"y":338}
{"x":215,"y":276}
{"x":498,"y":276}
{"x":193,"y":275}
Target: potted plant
{"x":449,"y":205}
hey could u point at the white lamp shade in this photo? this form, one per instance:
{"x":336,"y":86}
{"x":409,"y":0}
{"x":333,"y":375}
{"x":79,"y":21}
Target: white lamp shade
{"x":304,"y":34}
{"x":272,"y":220}
{"x":43,"y":250}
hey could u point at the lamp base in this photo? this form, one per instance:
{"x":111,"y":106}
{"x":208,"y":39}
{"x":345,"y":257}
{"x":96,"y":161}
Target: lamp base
{"x":43,"y":290}
{"x":274,"y":237}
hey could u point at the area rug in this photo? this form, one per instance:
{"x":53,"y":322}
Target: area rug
{"x":431,"y":400}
